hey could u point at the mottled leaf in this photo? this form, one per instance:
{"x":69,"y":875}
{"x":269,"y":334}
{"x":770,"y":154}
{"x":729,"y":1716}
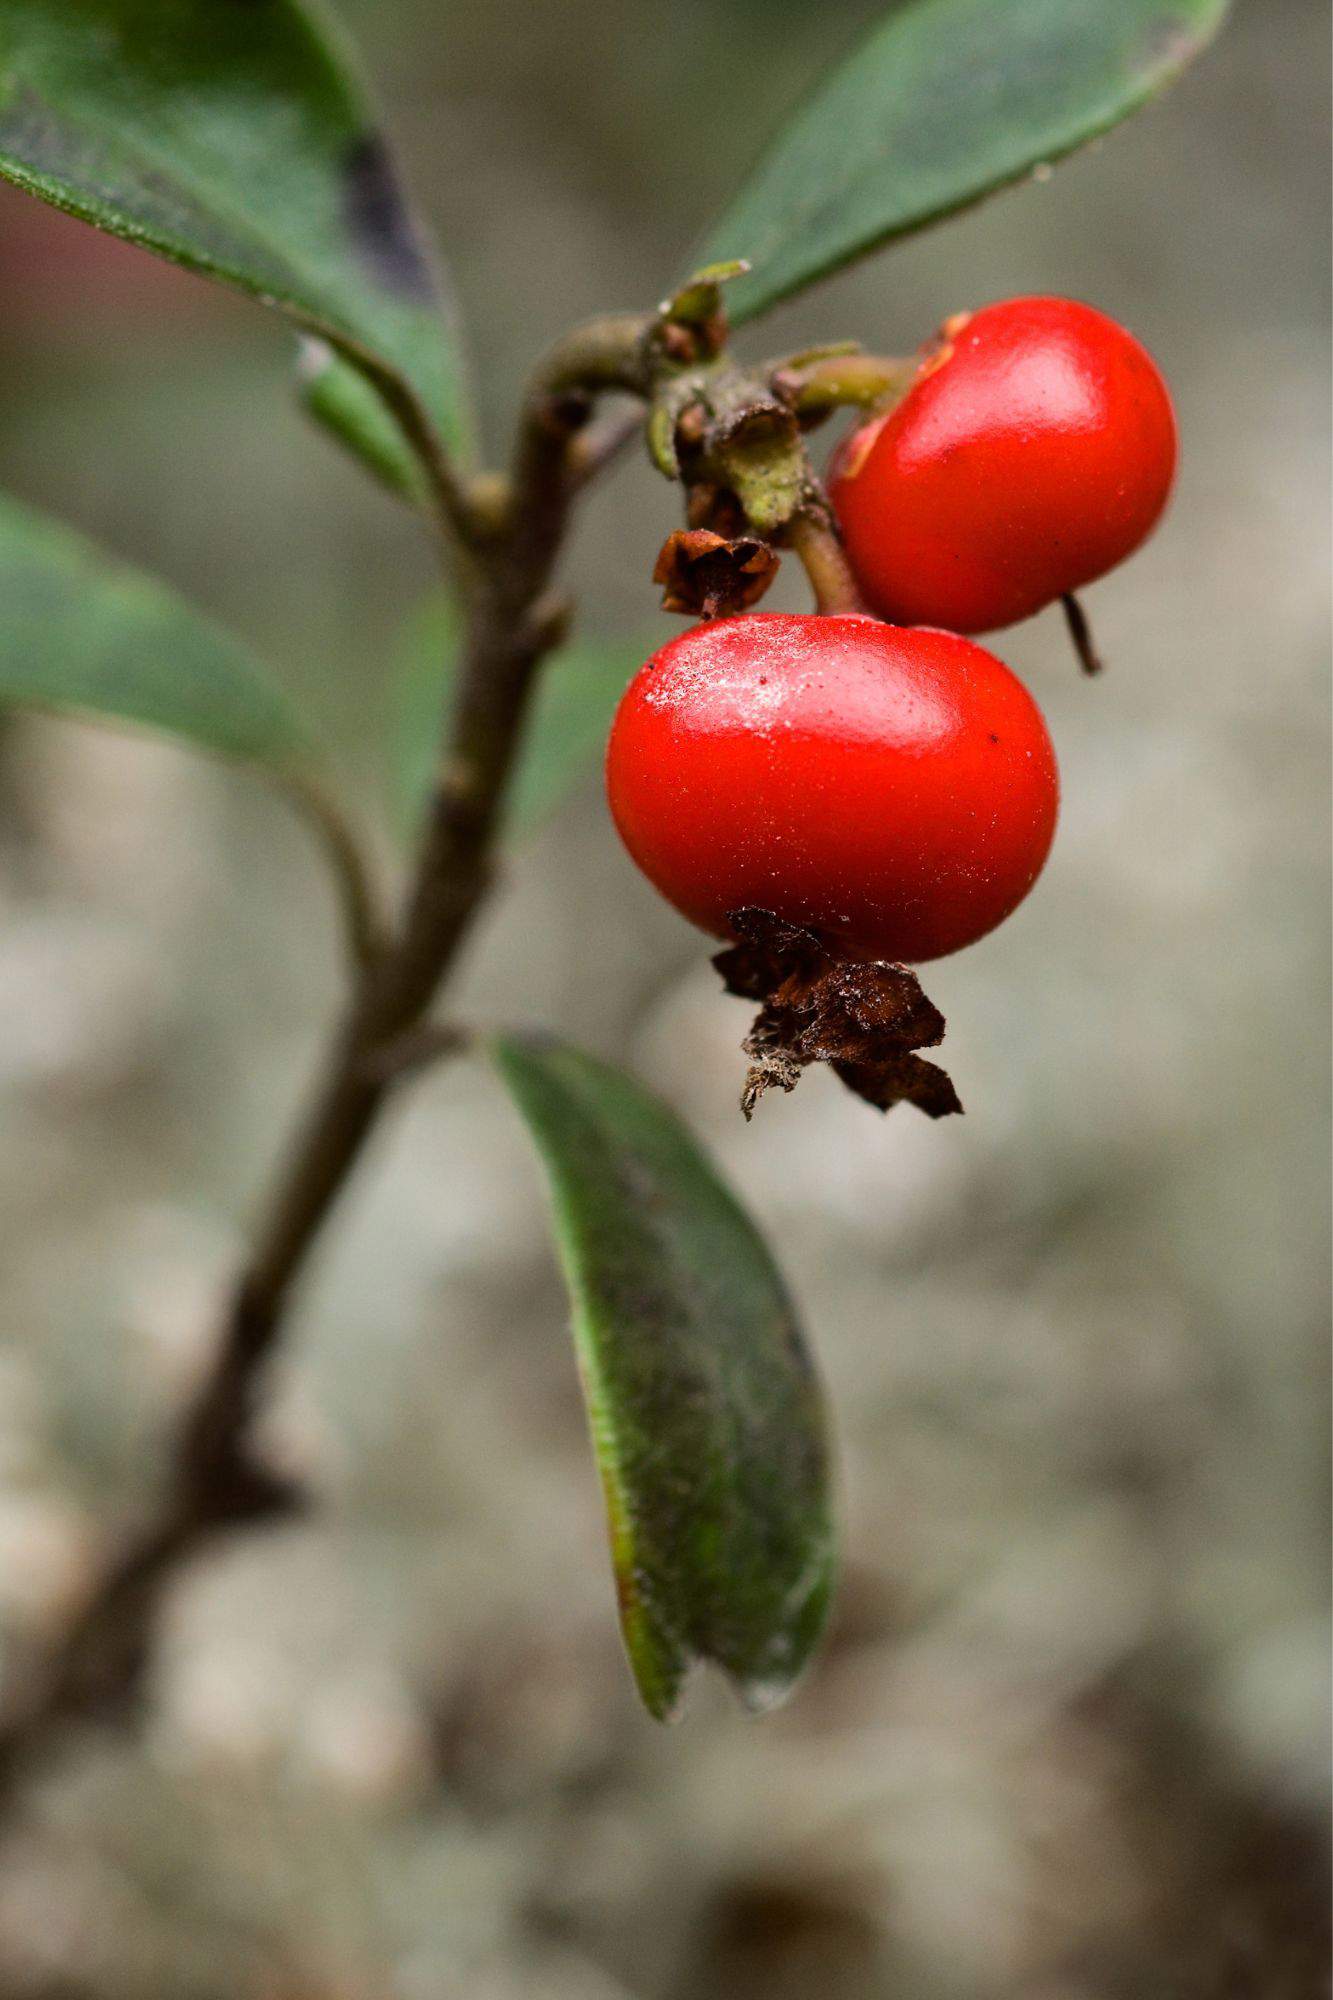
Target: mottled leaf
{"x":566,"y":731}
{"x":705,"y":1415}
{"x":229,"y":136}
{"x":945,"y":101}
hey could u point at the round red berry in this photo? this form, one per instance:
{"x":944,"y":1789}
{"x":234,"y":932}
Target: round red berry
{"x":1033,"y":452}
{"x":893,"y":790}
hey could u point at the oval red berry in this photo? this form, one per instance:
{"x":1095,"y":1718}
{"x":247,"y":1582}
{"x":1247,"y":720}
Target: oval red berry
{"x":894,"y":790}
{"x":1034,"y":451}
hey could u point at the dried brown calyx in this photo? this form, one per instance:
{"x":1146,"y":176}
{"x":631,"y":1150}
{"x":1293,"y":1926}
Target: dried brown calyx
{"x":865,"y":1018}
{"x":706,"y":575}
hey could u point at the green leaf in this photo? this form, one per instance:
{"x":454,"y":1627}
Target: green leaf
{"x":84,"y":634}
{"x":947,"y":100}
{"x":340,"y":398}
{"x":566,"y":731}
{"x":81,"y":632}
{"x":228,"y":136}
{"x":705,"y":1414}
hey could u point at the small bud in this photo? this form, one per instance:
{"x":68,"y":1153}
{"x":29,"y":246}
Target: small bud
{"x":691,"y":425}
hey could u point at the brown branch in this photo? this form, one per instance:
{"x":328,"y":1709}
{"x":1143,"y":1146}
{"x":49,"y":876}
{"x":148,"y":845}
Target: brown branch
{"x":506,"y":536}
{"x":95,"y":1667}
{"x":601,"y":443}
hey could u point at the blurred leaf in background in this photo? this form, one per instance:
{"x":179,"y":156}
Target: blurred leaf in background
{"x":235,"y":141}
{"x":82,"y":632}
{"x":565,"y":734}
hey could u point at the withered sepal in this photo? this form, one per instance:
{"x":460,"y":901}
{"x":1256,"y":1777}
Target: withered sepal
{"x":707,"y":575}
{"x":865,"y":1018}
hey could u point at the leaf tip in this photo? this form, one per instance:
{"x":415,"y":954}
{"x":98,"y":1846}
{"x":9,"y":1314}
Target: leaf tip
{"x":658,"y":1662}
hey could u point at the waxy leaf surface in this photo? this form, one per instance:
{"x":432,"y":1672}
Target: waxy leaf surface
{"x":945,"y":101}
{"x":705,"y":1414}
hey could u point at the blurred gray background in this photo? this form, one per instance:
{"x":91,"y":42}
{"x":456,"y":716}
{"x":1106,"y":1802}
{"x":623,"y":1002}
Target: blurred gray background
{"x":1068,"y":1738}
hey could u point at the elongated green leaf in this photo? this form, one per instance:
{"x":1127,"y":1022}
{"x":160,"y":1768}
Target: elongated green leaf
{"x":81,"y":632}
{"x":565,"y":735}
{"x":705,"y":1414}
{"x":947,"y":100}
{"x":227,"y":136}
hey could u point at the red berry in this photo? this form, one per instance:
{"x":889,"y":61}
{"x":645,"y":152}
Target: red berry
{"x":894,"y":790}
{"x":1034,"y":451}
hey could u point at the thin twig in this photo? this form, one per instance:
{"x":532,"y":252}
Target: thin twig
{"x":857,"y":381}
{"x":432,"y":1042}
{"x":448,"y":490}
{"x":606,"y":353}
{"x":816,"y":543}
{"x":1080,"y":631}
{"x":602,"y":443}
{"x":363,"y":919}
{"x":215,"y":1482}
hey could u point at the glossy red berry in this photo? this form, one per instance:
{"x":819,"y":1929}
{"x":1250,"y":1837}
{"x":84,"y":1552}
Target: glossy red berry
{"x":1033,"y":452}
{"x":894,"y":790}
